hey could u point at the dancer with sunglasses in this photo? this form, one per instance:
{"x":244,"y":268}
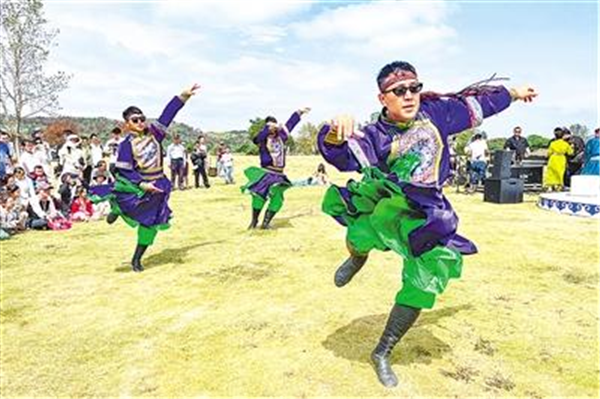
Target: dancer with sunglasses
{"x":268,"y":183}
{"x":399,"y":205}
{"x":141,"y":192}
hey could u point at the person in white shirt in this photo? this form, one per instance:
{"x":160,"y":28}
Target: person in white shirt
{"x":227,"y":166}
{"x":71,"y":156}
{"x":96,"y":149}
{"x":177,"y":157}
{"x":26,"y":189}
{"x":42,"y":154}
{"x":478,"y":152}
{"x":28,"y":159}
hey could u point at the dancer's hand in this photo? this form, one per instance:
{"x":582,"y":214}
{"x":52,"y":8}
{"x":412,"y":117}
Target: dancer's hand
{"x":343,"y":128}
{"x":187,"y":93}
{"x":149,"y":187}
{"x":304,"y":110}
{"x":525,"y":93}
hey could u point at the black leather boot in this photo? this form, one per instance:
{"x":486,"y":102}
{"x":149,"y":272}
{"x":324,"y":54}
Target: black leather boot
{"x":348,"y":269}
{"x":254,"y":222}
{"x":266,"y":224}
{"x":111,"y":218}
{"x":400,"y":320}
{"x":136,"y":264}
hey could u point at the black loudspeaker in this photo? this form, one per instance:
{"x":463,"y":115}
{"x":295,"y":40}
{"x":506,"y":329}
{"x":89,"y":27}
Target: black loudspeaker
{"x":501,"y":164}
{"x":529,"y":174}
{"x":503,"y":191}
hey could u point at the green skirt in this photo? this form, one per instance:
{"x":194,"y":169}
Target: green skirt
{"x":378,"y":215}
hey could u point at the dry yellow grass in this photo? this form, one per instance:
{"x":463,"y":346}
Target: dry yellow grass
{"x":223,"y":312}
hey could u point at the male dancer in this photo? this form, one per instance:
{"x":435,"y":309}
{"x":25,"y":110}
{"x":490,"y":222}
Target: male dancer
{"x":140,"y":194}
{"x":268,"y":183}
{"x":399,"y":204}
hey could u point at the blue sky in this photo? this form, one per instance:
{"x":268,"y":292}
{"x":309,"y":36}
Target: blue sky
{"x":255,"y":58}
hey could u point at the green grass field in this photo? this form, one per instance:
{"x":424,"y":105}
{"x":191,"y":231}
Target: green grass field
{"x":223,"y":312}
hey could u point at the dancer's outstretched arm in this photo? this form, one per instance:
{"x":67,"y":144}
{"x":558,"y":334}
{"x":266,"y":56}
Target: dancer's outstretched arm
{"x":458,"y":113}
{"x":159,"y":128}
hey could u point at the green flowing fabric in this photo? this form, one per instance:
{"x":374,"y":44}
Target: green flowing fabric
{"x":275,"y":194}
{"x":381,"y":217}
{"x":123,"y":185}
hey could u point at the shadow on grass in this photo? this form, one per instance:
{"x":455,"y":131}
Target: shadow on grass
{"x":283,"y":223}
{"x":169,"y":255}
{"x":357,"y":340}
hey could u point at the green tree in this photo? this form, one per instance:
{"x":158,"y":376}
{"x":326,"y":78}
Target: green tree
{"x":25,"y":42}
{"x":495,"y":144}
{"x":306,"y":143}
{"x":256,"y":125}
{"x":579,"y":130}
{"x":536,"y":141}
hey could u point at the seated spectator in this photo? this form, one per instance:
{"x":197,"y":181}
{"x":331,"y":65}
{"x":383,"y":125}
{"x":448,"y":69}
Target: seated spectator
{"x":81,"y":207}
{"x":67,"y":192}
{"x":25,"y":184}
{"x":42,"y":211}
{"x":319,"y":178}
{"x":13,"y":215}
{"x":38,"y":175}
{"x":102,"y":169}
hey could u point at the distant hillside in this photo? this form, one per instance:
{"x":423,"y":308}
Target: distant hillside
{"x":237,"y":140}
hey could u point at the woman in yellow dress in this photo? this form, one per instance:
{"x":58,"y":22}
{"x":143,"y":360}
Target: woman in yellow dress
{"x":557,"y":161}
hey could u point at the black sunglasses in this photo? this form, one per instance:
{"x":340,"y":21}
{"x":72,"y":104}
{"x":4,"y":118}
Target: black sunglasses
{"x":137,"y":119}
{"x":400,"y":91}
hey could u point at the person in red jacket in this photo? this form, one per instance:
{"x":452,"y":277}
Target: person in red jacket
{"x":81,"y":207}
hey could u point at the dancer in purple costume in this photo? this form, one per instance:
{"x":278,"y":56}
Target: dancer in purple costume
{"x":140,"y":194}
{"x":399,"y":204}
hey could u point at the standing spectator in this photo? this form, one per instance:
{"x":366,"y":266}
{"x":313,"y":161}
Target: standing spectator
{"x":112,"y":147}
{"x":199,"y":158}
{"x":227,"y":166}
{"x":96,"y":149}
{"x":177,"y":157}
{"x":81,"y":207}
{"x":88,"y":164}
{"x":592,"y":155}
{"x":518,"y":144}
{"x":478,"y":152}
{"x":28,"y":159}
{"x":6,"y":155}
{"x":42,"y":152}
{"x":558,"y":151}
{"x":71,"y":155}
{"x":575,"y":161}
{"x":219,"y":152}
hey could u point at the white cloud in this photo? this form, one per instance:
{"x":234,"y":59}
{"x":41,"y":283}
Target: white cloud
{"x":377,"y":27}
{"x":228,"y":12}
{"x":134,"y":34}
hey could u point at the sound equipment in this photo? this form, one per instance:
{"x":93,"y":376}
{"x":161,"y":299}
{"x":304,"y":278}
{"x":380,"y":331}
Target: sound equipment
{"x":503,"y":191}
{"x":501,"y":164}
{"x":529,"y":174}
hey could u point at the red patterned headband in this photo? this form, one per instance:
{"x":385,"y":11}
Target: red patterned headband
{"x":395,"y":77}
